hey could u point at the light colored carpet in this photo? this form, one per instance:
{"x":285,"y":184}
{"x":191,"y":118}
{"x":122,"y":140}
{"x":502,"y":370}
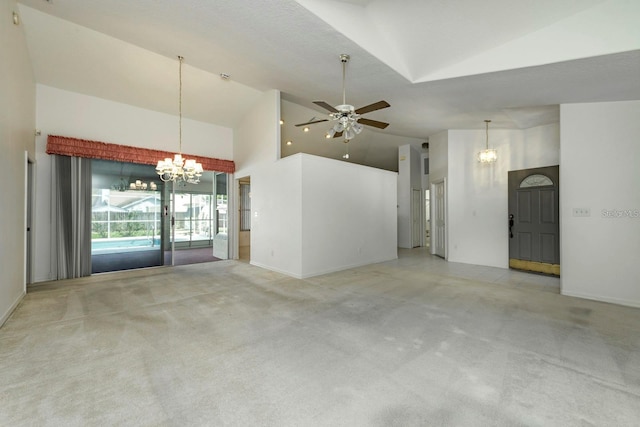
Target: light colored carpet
{"x":416,"y":341}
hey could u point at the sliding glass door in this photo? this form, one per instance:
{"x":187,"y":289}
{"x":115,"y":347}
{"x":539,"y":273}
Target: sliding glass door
{"x":133,"y":212}
{"x":194,"y":219}
{"x":126,"y":217}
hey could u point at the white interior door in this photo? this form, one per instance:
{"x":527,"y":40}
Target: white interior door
{"x":438,"y":219}
{"x":416,"y":218}
{"x":427,"y":218}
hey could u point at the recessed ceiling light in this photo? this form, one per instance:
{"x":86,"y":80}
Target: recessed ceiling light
{"x":306,"y":129}
{"x":281,"y":122}
{"x":289,"y":142}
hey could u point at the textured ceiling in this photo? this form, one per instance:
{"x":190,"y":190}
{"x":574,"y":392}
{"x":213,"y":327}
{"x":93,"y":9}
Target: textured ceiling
{"x":441,"y":65}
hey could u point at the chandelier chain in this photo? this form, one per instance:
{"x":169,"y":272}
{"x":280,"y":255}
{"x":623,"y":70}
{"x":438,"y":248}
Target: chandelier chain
{"x":179,"y":169}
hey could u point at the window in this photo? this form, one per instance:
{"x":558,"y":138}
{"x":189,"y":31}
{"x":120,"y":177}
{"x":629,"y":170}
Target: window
{"x":222,"y":215}
{"x":536,"y":180}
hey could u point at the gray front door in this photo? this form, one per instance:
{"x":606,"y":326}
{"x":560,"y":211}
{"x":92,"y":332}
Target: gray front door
{"x":534,"y":226}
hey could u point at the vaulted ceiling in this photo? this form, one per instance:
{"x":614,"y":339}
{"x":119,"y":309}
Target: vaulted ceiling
{"x":441,"y":65}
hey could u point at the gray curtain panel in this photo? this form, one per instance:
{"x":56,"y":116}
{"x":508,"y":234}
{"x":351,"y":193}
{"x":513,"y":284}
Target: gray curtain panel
{"x":73,"y":216}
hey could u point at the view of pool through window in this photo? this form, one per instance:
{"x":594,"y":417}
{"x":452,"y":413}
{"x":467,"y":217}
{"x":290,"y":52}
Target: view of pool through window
{"x":124,"y":221}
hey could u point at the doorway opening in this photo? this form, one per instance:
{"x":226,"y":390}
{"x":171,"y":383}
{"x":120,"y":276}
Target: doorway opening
{"x":416,"y":218}
{"x":244,"y":214}
{"x":427,"y":219}
{"x":439,"y":204}
{"x":29,"y":180}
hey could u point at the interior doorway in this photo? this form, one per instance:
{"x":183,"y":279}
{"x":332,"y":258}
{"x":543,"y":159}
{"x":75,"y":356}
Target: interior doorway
{"x":244,"y":223}
{"x":416,"y":218}
{"x":439,"y":237}
{"x":534,"y":220}
{"x":427,"y":219}
{"x":29,"y":180}
{"x":221,"y":223}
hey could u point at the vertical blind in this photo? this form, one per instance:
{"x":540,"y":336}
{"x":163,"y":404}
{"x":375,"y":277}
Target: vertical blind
{"x":73,"y":216}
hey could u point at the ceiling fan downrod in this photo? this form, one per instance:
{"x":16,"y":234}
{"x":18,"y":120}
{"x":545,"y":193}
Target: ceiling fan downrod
{"x":344,"y":58}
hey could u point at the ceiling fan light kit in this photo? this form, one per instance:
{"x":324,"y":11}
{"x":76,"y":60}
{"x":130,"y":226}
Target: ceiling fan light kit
{"x":348,"y":119}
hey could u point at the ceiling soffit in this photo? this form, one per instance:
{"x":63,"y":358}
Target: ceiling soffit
{"x":469,"y":37}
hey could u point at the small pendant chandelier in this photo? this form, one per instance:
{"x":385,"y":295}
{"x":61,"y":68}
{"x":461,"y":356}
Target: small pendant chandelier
{"x":487,"y":155}
{"x":179,"y":169}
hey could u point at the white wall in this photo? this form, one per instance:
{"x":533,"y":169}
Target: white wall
{"x":60,"y":112}
{"x":409,"y":178}
{"x":438,"y":171}
{"x":257,"y":137}
{"x":600,"y":171}
{"x":438,"y":156}
{"x":256,"y":144}
{"x":17,"y":124}
{"x":313,"y":215}
{"x":477,"y":193}
{"x":276,"y":216}
{"x":348,"y":215}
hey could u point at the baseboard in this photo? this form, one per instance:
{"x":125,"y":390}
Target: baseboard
{"x":347,"y":267}
{"x":7,"y":314}
{"x":618,"y":301}
{"x":277,"y":270}
{"x":320,"y":273}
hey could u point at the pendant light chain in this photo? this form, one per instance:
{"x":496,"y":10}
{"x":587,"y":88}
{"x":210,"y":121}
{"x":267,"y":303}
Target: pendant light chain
{"x":487,"y":125}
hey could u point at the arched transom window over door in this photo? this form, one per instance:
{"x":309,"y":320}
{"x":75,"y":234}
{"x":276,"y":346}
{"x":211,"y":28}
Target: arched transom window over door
{"x":536,"y":180}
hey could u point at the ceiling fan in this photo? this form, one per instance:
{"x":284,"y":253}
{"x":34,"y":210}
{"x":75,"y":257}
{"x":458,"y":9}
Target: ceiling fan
{"x":347,"y":118}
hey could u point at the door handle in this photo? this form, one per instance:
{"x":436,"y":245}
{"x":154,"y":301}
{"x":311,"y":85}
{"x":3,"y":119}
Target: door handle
{"x":511,"y":226}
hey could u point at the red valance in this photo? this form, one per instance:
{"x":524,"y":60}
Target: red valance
{"x":124,"y":153}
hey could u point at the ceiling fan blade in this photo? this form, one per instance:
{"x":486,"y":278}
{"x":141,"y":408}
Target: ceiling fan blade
{"x":337,"y":135}
{"x":373,"y":107}
{"x":374,"y":123}
{"x":312,"y":122}
{"x":326,"y":106}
